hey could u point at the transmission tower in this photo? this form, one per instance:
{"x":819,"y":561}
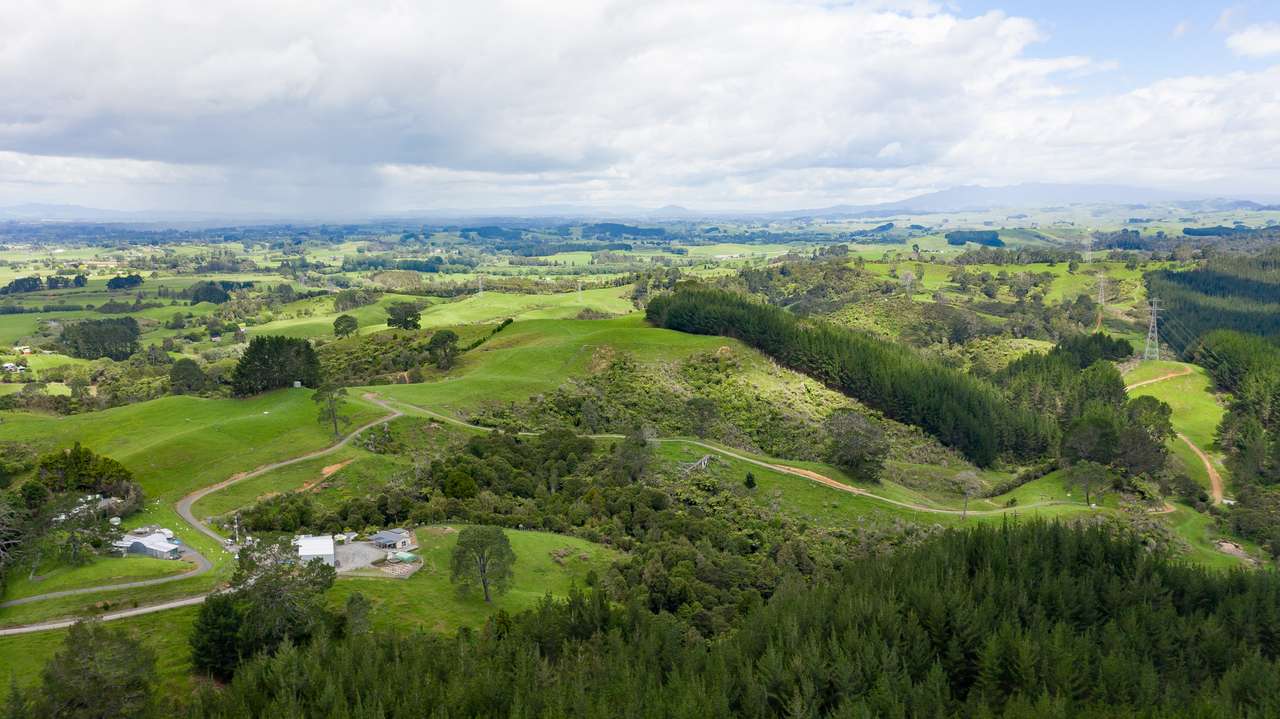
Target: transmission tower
{"x":1152,"y":350}
{"x":1102,"y":289}
{"x":481,"y":278}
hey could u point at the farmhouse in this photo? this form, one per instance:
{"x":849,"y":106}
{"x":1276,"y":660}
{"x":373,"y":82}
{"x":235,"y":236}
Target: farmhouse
{"x":320,"y":547}
{"x":395,"y":539}
{"x":155,"y":545}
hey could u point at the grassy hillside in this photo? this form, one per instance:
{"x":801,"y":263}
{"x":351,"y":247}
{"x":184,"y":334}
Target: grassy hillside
{"x":175,"y":445}
{"x":537,"y":355}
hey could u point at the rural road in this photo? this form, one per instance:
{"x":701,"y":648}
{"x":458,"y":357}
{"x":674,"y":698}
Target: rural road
{"x":109,"y":616}
{"x":1215,"y":478}
{"x":184,"y":509}
{"x":186,"y":503}
{"x":202,"y":565}
{"x":794,"y":471}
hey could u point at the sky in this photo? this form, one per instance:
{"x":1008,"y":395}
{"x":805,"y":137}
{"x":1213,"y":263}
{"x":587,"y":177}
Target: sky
{"x":333,"y":108}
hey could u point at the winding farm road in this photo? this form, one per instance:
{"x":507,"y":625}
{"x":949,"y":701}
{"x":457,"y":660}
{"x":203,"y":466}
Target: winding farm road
{"x":782,"y":468}
{"x":109,"y":616}
{"x":184,"y":506}
{"x":1215,"y":478}
{"x":186,"y":503}
{"x":202,"y":565}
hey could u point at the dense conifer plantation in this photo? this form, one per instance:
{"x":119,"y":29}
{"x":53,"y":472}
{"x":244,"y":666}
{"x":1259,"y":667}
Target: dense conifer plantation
{"x":1040,"y":620}
{"x":959,"y":410}
{"x":1239,"y":293}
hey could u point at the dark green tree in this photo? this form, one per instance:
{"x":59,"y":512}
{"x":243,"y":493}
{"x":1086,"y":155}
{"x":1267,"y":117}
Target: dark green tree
{"x":98,"y":673}
{"x":1088,"y":477}
{"x":857,"y":444}
{"x":278,"y":597}
{"x":482,"y":556}
{"x":443,"y":348}
{"x":345,"y":326}
{"x":329,"y":398}
{"x":215,"y":647}
{"x":404,"y":315}
{"x":115,"y":338}
{"x":186,"y":377}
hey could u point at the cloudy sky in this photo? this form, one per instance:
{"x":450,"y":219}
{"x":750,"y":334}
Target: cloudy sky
{"x":333,"y":107}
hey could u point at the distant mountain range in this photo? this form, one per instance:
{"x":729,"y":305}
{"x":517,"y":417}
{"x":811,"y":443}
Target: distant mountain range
{"x":964,"y":198}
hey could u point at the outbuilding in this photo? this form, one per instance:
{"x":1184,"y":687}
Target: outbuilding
{"x":317,"y":547}
{"x":394,"y":539}
{"x":154,"y":545}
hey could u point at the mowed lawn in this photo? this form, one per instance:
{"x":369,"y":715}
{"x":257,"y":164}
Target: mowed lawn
{"x":539,"y":355}
{"x":101,"y":570}
{"x":546,"y":564}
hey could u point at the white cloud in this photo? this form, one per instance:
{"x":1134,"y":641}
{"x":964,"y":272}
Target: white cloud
{"x":1228,"y":18}
{"x":1181,"y":29}
{"x":1259,"y":40}
{"x":317,"y":104}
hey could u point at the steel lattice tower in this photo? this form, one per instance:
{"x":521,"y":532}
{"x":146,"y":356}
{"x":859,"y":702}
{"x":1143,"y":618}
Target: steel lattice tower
{"x":1152,"y":350}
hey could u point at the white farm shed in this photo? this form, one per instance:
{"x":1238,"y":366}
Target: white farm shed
{"x":320,"y":547}
{"x":155,"y":545}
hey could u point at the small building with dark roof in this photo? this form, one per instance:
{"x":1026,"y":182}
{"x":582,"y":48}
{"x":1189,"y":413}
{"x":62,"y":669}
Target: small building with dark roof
{"x":394,"y":539}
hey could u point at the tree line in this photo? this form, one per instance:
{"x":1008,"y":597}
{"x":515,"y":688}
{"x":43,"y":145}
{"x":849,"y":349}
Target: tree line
{"x":963,"y":412}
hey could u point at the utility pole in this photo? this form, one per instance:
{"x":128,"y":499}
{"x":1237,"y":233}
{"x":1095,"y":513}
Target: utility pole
{"x":1152,"y":350}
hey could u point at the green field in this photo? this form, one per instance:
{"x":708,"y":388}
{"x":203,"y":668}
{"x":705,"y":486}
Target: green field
{"x":175,"y":445}
{"x":429,"y":600}
{"x":1196,"y":410}
{"x":101,"y":570}
{"x":538,"y":355}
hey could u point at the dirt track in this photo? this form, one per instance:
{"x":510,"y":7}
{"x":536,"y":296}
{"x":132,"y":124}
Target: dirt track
{"x":1180,"y":373}
{"x":184,"y":509}
{"x":1215,"y":478}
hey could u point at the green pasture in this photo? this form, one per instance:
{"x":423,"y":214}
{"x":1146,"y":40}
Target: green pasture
{"x":53,"y":577}
{"x":546,"y":564}
{"x":538,"y":355}
{"x":175,"y":445}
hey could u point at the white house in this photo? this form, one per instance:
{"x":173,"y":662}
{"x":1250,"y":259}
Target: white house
{"x":154,"y":545}
{"x":320,"y":547}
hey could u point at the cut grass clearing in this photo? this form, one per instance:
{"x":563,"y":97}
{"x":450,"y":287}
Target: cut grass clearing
{"x":101,"y":570}
{"x":546,"y":564}
{"x":1196,"y":411}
